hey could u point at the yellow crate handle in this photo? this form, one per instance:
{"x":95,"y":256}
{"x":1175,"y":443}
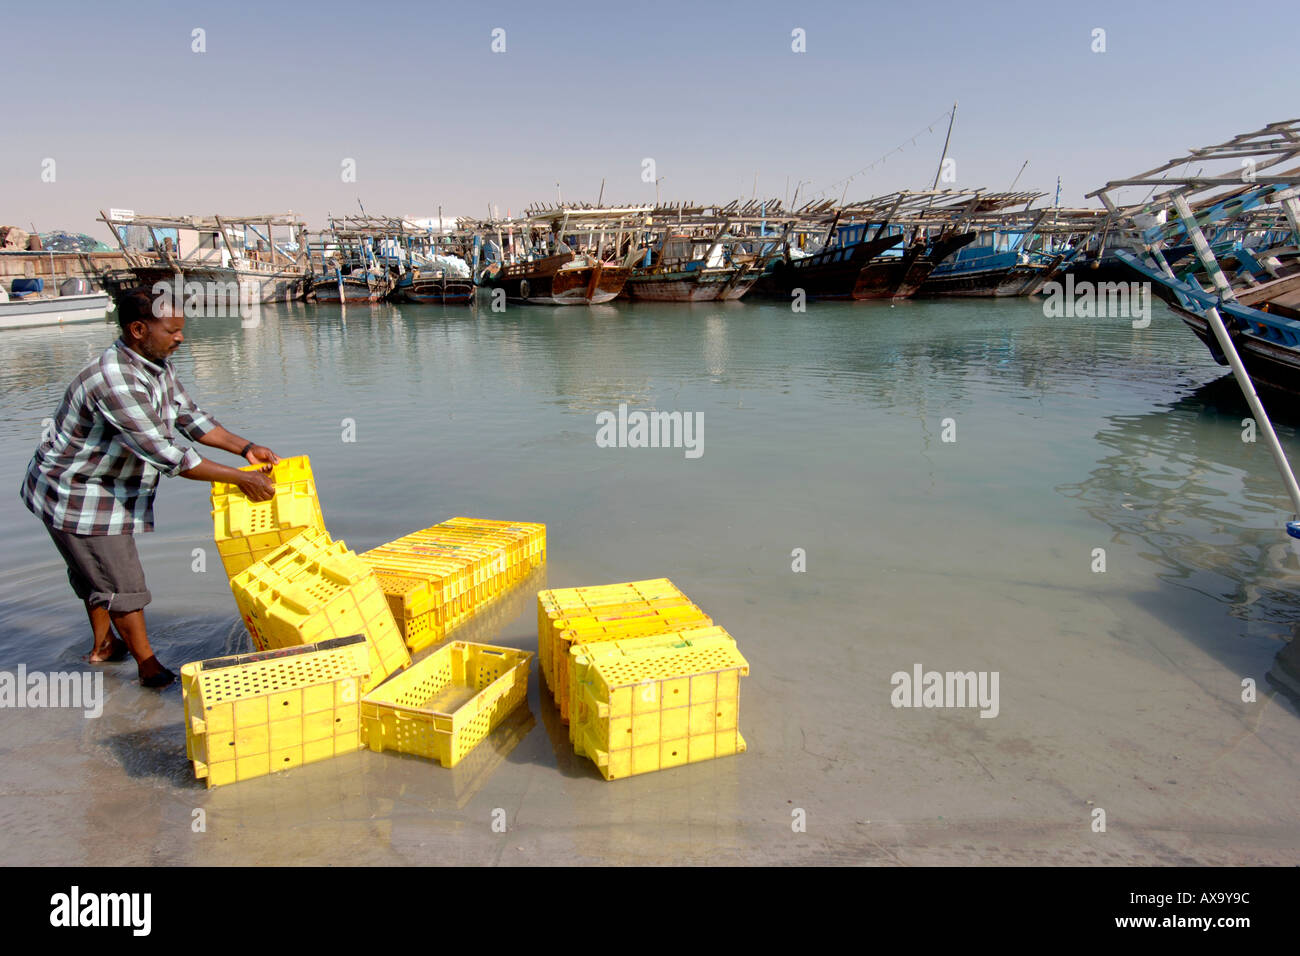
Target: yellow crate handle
{"x":198,"y":726}
{"x":599,"y":706}
{"x":599,"y":757}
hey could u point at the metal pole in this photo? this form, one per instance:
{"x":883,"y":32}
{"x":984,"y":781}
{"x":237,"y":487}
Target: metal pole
{"x":1203,"y":251}
{"x":938,"y":172}
{"x":1016,"y":180}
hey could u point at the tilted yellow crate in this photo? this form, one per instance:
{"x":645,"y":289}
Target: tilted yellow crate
{"x":253,"y":714}
{"x":644,"y":704}
{"x":557,"y":604}
{"x":246,"y":531}
{"x":312,"y":588}
{"x":447,"y":703}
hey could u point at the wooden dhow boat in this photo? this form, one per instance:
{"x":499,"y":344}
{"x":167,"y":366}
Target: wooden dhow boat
{"x":1255,"y":291}
{"x":220,"y":260}
{"x":698,"y":260}
{"x":561,"y":279}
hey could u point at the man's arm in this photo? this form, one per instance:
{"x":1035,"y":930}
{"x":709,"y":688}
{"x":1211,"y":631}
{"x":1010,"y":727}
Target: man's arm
{"x":126,"y":405}
{"x":257,"y":485}
{"x":219,"y":437}
{"x":201,"y":427}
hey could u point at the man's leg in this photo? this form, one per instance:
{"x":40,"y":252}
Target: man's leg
{"x":130,"y":624}
{"x":108,"y":647}
{"x":104,"y":646}
{"x":105,"y":571}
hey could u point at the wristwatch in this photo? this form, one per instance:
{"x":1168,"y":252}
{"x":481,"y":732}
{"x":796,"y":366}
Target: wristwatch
{"x":243,"y":452}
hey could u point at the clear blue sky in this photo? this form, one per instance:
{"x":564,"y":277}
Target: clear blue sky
{"x":412,"y":92}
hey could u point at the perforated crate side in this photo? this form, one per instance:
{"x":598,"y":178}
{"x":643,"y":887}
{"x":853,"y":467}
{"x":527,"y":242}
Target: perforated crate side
{"x":313,"y":589}
{"x":253,"y":714}
{"x":638,"y":707}
{"x":245,"y":531}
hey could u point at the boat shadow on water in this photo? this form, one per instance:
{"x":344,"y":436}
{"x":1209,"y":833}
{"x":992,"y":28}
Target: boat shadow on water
{"x":1181,"y":487}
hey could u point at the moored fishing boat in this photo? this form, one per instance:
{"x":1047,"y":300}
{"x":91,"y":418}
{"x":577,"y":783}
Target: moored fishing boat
{"x":678,"y":276}
{"x":342,"y":285}
{"x":351,"y":267}
{"x":562,"y":279}
{"x":983,"y":272}
{"x":1252,"y":303}
{"x":433,"y":286}
{"x":899,"y":276}
{"x":829,"y":273}
{"x":882,"y":252}
{"x":212,"y":261}
{"x":1002,"y":261}
{"x":19,"y":312}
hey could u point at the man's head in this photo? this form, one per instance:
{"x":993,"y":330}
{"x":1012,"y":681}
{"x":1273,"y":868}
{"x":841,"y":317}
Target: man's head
{"x":148,"y":326}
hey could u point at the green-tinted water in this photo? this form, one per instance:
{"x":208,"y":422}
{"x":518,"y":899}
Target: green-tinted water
{"x":822,"y":431}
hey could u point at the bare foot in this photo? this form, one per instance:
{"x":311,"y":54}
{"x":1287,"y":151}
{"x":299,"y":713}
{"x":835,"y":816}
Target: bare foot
{"x":112,"y":653}
{"x":153,"y":674}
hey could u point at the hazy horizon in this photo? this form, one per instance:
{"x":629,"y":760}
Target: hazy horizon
{"x":413,"y":96}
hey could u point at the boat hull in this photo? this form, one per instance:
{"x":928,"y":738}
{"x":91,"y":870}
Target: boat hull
{"x":436,"y":292}
{"x":552,"y":281}
{"x":249,"y":286}
{"x":830,"y":274}
{"x":704,"y":285}
{"x":1009,"y":282}
{"x":900,"y":277}
{"x":1269,"y":365}
{"x":63,"y":310}
{"x":328,"y":293}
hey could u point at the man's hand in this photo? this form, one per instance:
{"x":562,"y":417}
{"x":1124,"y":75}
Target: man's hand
{"x":261,"y":455}
{"x":257,"y":485}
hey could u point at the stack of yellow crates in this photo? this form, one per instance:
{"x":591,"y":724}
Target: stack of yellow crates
{"x":618,"y":658}
{"x":436,"y":578}
{"x":563,"y":610}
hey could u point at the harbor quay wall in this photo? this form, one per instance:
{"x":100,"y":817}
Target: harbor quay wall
{"x":59,"y":266}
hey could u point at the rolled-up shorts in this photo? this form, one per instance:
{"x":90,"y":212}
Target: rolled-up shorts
{"x":104,"y":569}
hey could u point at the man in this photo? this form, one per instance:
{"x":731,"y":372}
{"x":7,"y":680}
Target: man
{"x":92,"y":481}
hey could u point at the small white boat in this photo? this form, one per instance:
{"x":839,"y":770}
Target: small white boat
{"x":52,"y":310}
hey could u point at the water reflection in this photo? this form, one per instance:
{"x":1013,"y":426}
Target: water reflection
{"x":1205,"y":508}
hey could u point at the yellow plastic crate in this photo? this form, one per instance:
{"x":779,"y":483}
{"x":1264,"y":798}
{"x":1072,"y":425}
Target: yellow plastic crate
{"x":246,"y":531}
{"x":431,"y":587}
{"x":558,"y":603}
{"x":447,"y":703}
{"x":254,"y":714}
{"x":643,"y":704}
{"x":511,"y":552}
{"x":312,"y":588}
{"x":532,"y":535}
{"x":436,"y":578}
{"x":620,"y":622}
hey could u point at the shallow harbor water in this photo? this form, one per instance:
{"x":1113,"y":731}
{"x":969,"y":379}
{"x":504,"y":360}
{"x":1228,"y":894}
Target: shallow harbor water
{"x":1119,"y":690}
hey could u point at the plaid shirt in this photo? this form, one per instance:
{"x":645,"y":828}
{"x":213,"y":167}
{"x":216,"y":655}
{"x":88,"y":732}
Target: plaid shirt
{"x":113,"y":435}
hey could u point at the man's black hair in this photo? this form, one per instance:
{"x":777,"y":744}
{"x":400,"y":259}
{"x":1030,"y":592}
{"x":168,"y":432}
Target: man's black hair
{"x":134,"y":305}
